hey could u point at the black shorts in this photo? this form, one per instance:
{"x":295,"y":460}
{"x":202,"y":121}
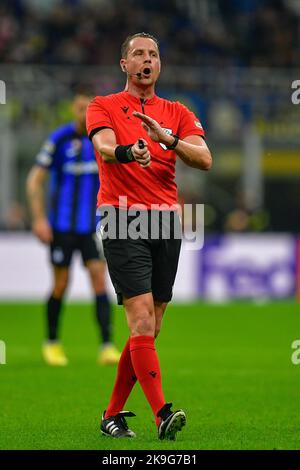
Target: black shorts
{"x":64,"y":245}
{"x":146,"y":264}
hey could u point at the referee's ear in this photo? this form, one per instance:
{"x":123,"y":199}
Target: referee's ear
{"x":123,"y":65}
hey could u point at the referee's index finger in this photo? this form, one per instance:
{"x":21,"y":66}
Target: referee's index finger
{"x":142,"y":116}
{"x":138,"y":114}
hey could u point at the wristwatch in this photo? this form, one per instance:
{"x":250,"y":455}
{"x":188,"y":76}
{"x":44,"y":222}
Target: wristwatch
{"x":174,"y":144}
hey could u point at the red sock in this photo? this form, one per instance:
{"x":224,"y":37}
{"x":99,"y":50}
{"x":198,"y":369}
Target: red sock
{"x":126,"y":378}
{"x":146,"y":365}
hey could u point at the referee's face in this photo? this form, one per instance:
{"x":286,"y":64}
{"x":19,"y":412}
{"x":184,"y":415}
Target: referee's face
{"x":142,"y":58}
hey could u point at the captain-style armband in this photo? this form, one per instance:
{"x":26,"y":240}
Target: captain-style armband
{"x":124,"y":154}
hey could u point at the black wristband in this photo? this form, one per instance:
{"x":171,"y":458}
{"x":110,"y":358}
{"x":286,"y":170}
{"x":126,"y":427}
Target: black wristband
{"x":173,"y":145}
{"x":124,"y":154}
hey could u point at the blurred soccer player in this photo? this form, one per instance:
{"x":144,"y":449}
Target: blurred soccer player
{"x":142,"y":270}
{"x":69,"y":225}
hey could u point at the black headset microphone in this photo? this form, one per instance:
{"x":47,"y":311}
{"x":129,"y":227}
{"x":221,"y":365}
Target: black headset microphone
{"x":138,"y":75}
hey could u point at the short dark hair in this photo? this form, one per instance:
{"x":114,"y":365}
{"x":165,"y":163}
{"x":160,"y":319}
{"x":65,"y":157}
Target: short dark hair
{"x":124,"y":47}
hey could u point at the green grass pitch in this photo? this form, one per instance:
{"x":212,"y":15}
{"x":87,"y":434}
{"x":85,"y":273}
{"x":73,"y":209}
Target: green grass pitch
{"x":229,"y":367}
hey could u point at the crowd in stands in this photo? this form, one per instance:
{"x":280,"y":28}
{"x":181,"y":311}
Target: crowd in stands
{"x":191,"y":32}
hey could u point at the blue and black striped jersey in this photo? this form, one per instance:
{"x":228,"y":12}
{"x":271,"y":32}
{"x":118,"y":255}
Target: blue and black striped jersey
{"x":74,"y":180}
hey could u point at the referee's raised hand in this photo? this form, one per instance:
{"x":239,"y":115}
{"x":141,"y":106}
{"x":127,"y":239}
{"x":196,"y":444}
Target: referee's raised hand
{"x":141,"y":155}
{"x":154,"y":130}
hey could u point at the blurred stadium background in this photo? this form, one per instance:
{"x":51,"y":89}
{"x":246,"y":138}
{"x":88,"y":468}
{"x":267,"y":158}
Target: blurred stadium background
{"x":233,"y":62}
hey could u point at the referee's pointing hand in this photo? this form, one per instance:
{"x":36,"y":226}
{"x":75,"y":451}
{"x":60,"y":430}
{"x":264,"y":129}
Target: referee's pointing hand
{"x":141,"y":155}
{"x":152,"y":127}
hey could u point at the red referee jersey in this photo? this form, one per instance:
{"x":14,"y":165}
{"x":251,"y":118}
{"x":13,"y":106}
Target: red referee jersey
{"x":156,"y":183}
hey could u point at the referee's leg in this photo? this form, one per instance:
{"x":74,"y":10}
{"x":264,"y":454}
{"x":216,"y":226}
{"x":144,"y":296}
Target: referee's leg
{"x":140,"y":313}
{"x":141,"y":322}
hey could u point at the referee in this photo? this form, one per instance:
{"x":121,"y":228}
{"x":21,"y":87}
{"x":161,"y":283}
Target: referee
{"x":137,"y":136}
{"x":68,"y":224}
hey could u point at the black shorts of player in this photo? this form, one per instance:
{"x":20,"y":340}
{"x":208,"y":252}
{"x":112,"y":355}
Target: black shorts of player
{"x":65,"y":244}
{"x":145,"y":259}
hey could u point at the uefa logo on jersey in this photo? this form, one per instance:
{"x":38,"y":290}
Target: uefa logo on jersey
{"x":168,"y":132}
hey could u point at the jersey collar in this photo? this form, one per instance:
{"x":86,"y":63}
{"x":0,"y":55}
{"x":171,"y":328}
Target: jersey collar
{"x":135,"y":100}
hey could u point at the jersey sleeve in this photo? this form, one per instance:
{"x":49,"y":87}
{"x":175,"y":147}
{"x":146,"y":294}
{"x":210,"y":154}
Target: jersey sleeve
{"x":189,"y":124}
{"x":97,"y":117}
{"x":48,"y":155}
